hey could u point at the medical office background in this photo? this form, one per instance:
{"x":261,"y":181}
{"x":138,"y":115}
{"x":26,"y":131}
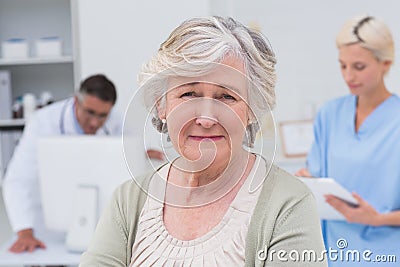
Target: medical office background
{"x":116,"y":37}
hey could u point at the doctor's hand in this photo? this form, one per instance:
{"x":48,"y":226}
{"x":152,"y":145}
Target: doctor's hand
{"x":364,"y":213}
{"x":26,"y":242}
{"x":303,"y":173}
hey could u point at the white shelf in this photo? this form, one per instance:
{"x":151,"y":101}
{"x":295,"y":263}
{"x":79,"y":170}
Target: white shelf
{"x":35,"y":61}
{"x":12,"y":122}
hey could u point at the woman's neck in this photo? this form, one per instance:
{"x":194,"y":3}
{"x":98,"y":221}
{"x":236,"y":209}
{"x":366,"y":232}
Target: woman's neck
{"x":368,"y":102}
{"x":213,"y":183}
{"x":217,"y":169}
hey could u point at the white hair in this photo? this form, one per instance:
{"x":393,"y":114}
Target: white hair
{"x":191,"y":47}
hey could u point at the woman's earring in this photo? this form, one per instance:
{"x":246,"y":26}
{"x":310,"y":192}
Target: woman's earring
{"x":251,"y":132}
{"x":164,"y":128}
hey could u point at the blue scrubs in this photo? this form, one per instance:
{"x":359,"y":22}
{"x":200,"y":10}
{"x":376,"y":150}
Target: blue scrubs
{"x":366,"y":162}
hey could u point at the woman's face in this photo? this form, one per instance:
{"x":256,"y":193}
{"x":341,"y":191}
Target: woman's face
{"x":208,"y":117}
{"x":362,"y":72}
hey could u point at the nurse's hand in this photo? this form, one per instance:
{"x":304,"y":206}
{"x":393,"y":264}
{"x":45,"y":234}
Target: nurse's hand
{"x":303,"y":173}
{"x":364,"y":213}
{"x":26,"y":242}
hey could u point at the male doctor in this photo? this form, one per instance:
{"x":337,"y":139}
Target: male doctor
{"x":88,"y":112}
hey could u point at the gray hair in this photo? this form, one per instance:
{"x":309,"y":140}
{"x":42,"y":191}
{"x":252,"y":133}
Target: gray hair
{"x":191,"y":47}
{"x":100,"y":86}
{"x":370,"y":33}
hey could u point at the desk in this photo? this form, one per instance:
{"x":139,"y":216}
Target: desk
{"x":54,"y":254}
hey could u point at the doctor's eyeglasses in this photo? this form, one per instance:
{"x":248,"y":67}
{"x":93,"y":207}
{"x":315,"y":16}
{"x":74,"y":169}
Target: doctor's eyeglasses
{"x":91,"y":113}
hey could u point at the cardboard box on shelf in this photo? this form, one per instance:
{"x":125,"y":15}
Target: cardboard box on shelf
{"x":15,"y":48}
{"x":48,"y":47}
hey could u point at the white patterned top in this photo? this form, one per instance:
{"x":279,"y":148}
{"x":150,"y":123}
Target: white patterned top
{"x":224,"y":245}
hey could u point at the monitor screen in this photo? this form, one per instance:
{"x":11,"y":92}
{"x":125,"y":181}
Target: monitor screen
{"x":66,"y":163}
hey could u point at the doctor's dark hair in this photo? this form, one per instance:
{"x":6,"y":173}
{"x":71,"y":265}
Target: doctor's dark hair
{"x":99,"y":86}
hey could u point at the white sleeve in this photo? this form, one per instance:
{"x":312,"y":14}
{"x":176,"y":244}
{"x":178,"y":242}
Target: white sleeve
{"x":21,"y":186}
{"x":114,"y":123}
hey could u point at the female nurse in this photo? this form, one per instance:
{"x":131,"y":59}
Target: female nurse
{"x":357,"y":142}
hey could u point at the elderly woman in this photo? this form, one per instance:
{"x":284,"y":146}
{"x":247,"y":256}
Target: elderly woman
{"x":217,"y":204}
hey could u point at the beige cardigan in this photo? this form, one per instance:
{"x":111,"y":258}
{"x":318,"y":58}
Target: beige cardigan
{"x":285,"y":218}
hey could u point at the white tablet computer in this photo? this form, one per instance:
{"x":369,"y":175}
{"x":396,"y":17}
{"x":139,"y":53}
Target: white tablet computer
{"x":324,"y":186}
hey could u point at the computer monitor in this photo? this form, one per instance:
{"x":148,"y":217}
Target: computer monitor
{"x":69,"y":164}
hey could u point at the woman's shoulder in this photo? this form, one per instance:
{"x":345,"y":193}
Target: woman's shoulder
{"x":283,"y":195}
{"x":132,"y":193}
{"x":282,"y":190}
{"x":136,"y":188}
{"x":133,"y":187}
{"x":126,"y":188}
{"x":286,"y":186}
{"x":395,"y":99}
{"x":349,"y":100}
{"x":338,"y":103}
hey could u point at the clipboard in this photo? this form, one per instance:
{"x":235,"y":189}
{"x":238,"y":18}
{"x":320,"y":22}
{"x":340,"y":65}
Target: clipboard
{"x":324,"y":186}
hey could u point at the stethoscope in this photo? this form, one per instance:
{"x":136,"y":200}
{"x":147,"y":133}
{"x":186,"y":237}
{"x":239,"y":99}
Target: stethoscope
{"x":62,"y":122}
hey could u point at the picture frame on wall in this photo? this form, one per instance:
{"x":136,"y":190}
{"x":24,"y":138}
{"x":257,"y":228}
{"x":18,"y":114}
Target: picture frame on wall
{"x":296,"y":137}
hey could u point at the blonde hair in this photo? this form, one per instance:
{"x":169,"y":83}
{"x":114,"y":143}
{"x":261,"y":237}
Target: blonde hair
{"x":191,"y":47}
{"x":370,"y":33}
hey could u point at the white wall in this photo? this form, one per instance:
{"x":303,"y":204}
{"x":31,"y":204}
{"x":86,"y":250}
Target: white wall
{"x":302,"y":34}
{"x":117,"y":37}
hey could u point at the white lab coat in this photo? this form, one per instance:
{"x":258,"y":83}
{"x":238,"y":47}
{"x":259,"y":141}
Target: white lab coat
{"x":21,"y":185}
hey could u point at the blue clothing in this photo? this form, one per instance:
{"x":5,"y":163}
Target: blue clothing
{"x":366,"y":162}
